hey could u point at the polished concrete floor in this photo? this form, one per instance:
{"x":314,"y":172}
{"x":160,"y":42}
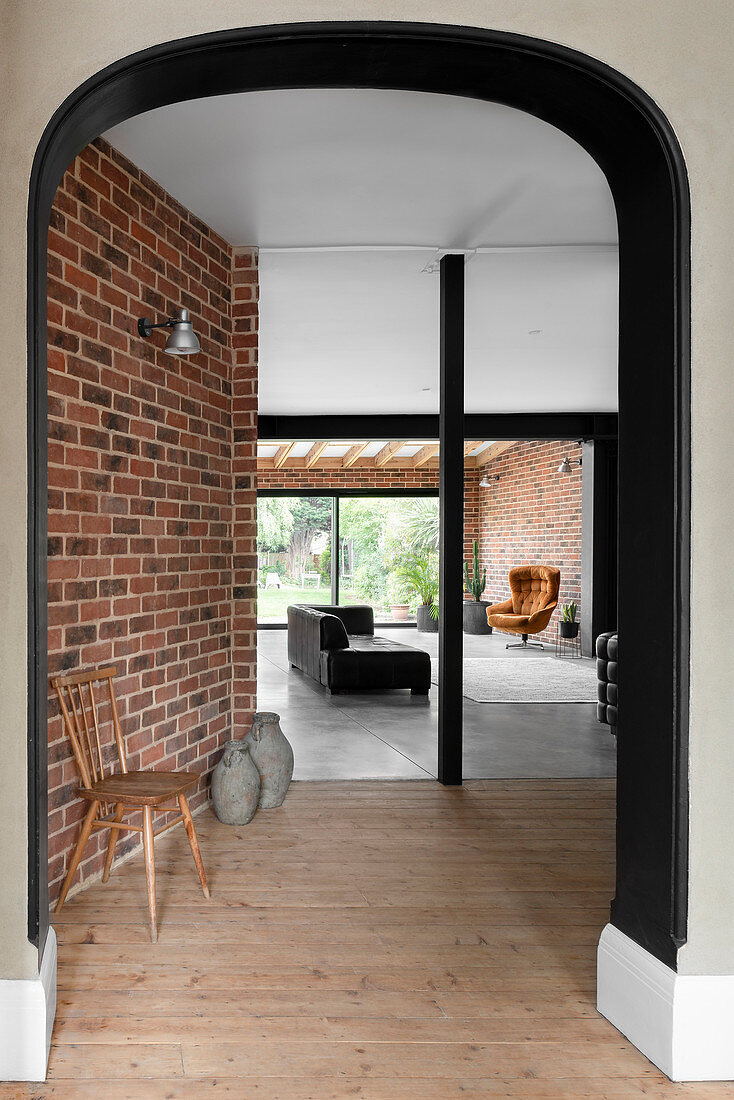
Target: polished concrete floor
{"x":392,"y":735}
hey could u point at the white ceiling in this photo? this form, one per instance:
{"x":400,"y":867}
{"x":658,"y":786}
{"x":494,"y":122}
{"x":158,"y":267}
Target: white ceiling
{"x":541,"y":331}
{"x":358,"y":332}
{"x":319,"y":167}
{"x":370,"y":183}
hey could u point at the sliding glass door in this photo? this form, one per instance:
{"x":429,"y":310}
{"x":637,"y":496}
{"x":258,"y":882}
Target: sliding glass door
{"x":348,"y":549}
{"x":293,"y":553}
{"x":381,"y":539}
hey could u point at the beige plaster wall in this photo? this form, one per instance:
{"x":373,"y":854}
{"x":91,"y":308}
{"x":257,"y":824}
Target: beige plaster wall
{"x":680,"y":53}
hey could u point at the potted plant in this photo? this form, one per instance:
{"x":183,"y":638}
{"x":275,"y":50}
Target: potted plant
{"x":475,"y":609}
{"x":419,"y":571}
{"x":397,"y":596}
{"x":568,"y":625}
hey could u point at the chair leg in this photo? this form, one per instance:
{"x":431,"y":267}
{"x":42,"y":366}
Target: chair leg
{"x":150,"y":869}
{"x":80,"y":844}
{"x":525,"y":644}
{"x":191,"y":832}
{"x":114,"y":834}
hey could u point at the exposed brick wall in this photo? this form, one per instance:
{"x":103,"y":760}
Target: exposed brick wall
{"x":355,"y":477}
{"x":532,"y":515}
{"x":140,"y":478}
{"x":244,"y":425}
{"x":471,"y":512}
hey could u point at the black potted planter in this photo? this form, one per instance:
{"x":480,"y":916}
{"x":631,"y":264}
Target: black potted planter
{"x":475,"y":617}
{"x":424,"y":620}
{"x":568,"y":630}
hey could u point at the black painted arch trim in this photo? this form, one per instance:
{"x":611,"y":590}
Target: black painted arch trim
{"x":628,"y":135}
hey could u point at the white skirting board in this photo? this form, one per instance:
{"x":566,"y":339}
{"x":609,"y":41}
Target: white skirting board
{"x":27,"y":1011}
{"x":683,"y":1023}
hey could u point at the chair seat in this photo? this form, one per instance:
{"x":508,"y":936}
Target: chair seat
{"x":515,"y":624}
{"x":140,"y":788}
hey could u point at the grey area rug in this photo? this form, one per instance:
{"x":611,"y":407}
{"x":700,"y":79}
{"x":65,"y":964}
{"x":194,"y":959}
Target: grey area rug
{"x":527,"y":679}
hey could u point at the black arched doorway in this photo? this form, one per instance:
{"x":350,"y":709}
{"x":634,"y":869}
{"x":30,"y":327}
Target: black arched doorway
{"x":635,"y":147}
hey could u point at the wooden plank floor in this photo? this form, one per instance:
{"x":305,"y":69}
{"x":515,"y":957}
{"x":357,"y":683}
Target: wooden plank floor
{"x":377,"y":940}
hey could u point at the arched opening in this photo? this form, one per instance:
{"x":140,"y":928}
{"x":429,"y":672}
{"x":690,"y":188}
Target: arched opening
{"x":635,"y":147}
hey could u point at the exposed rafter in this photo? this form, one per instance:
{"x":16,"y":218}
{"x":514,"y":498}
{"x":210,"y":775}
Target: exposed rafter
{"x":492,"y":451}
{"x":425,"y":454}
{"x":282,"y":455}
{"x":315,"y":453}
{"x":353,"y":454}
{"x":364,"y":455}
{"x":469,"y":446}
{"x":383,"y":457}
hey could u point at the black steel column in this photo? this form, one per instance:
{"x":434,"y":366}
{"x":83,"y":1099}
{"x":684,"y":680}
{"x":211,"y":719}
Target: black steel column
{"x":451,"y":501}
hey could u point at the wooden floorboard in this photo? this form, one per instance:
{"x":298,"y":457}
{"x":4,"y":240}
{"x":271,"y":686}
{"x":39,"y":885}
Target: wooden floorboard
{"x":371,"y":939}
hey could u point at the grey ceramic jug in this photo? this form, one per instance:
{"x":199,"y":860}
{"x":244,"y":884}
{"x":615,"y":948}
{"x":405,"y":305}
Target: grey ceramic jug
{"x":235,"y":785}
{"x":273,"y":757}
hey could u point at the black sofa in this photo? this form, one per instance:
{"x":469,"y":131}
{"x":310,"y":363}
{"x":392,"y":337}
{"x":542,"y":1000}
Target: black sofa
{"x":337,"y":647}
{"x":607,"y":649}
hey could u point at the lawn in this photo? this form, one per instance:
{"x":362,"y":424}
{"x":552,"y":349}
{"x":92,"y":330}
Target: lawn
{"x":272,"y":603}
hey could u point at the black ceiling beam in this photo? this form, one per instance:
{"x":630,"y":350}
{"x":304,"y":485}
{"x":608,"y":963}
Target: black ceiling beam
{"x":540,"y":426}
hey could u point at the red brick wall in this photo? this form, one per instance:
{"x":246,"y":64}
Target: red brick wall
{"x":471,"y":511}
{"x":140,"y":477}
{"x":355,"y":477}
{"x":244,"y":427}
{"x":532,"y":515}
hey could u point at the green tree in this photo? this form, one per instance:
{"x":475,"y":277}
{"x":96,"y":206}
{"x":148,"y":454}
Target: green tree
{"x":421,"y":521}
{"x":274,"y":523}
{"x":311,"y":515}
{"x":363,"y":526}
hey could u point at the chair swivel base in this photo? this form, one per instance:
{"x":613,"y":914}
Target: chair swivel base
{"x":525,"y":644}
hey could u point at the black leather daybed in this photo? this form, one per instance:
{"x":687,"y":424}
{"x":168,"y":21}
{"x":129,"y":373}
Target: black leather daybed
{"x":337,"y":647}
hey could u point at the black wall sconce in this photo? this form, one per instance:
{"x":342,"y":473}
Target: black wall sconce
{"x":182,"y":340}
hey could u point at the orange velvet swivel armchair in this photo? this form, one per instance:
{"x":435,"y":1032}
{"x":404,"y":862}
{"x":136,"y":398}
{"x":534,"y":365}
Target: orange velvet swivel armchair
{"x":533,"y":600}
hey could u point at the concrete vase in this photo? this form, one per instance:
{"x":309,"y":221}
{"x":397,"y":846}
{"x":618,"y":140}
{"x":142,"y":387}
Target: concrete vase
{"x":235,"y":785}
{"x":273,"y":757}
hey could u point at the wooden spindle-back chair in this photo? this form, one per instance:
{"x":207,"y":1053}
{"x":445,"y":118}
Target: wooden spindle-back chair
{"x":111,"y":790}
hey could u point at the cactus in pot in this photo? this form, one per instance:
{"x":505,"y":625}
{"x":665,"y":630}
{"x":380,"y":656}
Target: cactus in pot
{"x":475,"y":609}
{"x":473,"y":582}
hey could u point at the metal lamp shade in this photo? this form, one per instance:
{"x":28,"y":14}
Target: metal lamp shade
{"x":183,"y":339}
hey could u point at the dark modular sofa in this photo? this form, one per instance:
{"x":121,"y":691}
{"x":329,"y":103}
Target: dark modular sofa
{"x":337,"y":646}
{"x":607,"y":649}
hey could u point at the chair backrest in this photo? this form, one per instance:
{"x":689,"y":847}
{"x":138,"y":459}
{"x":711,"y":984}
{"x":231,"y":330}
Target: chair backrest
{"x":84,"y":712}
{"x":534,"y":587}
{"x":358,"y":618}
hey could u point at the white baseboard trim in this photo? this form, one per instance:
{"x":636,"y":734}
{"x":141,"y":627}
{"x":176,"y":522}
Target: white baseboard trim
{"x":27,"y":1011}
{"x":683,"y":1023}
